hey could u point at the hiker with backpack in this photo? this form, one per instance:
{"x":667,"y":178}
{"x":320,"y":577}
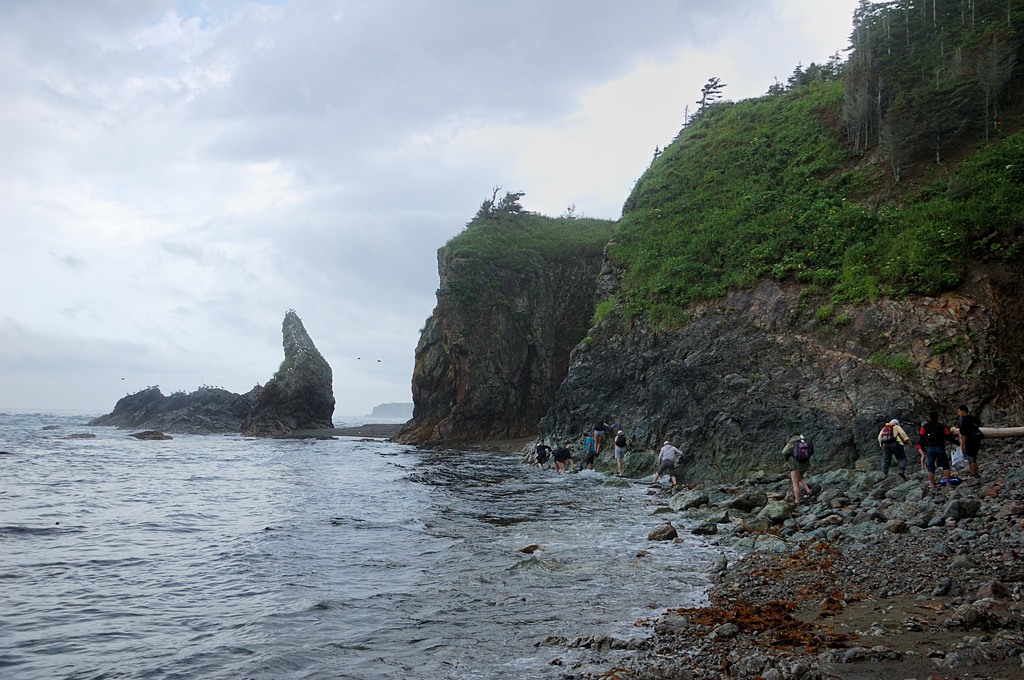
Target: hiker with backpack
{"x":800,"y":450}
{"x":971,"y":435}
{"x":891,"y":439}
{"x":562,"y":455}
{"x":933,"y":438}
{"x":543,"y":452}
{"x":620,"y":449}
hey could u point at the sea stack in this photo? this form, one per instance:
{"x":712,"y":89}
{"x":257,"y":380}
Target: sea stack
{"x":301,"y":394}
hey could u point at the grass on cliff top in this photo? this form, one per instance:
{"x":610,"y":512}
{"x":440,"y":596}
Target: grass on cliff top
{"x":768,"y":188}
{"x":520,"y":241}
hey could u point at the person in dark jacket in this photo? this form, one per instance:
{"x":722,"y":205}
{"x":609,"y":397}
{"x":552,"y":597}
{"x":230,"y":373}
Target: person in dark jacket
{"x":933,"y":438}
{"x":543,"y":452}
{"x":969,"y":428}
{"x":600,"y":429}
{"x":562,"y":455}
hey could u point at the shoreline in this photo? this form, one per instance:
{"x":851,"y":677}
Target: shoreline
{"x":869,"y":579}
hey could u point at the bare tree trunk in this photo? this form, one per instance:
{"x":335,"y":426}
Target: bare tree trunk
{"x":1002,"y":432}
{"x":996,"y":432}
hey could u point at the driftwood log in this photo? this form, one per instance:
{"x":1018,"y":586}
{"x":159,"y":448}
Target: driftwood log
{"x":997,"y":432}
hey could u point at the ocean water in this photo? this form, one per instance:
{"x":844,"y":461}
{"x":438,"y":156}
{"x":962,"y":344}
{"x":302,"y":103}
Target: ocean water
{"x":225,"y":557}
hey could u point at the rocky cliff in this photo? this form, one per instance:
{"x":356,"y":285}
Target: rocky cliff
{"x":301,"y":394}
{"x":756,"y":365}
{"x":493,"y":353}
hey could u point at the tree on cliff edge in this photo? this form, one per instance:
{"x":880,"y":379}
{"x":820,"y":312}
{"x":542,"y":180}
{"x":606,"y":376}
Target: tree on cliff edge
{"x":494,"y":207}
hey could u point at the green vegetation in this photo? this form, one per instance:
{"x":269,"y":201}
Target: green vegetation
{"x":899,"y":362}
{"x":508,"y":237}
{"x":521,"y":241}
{"x":789,"y":186}
{"x":603,"y":309}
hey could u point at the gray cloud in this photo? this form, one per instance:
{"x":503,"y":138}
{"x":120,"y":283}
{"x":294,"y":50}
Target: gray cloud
{"x":178,"y":174}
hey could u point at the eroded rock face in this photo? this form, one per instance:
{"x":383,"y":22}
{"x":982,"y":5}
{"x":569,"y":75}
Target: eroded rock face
{"x":301,"y":393}
{"x":208,"y":410}
{"x":753,"y":367}
{"x":492,"y":354}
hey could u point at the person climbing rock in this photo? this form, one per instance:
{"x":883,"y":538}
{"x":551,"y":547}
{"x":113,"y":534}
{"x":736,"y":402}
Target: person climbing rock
{"x":589,"y":452}
{"x":891,"y":439}
{"x":798,"y":465}
{"x":562,"y":455}
{"x":600,"y":429}
{"x":667,"y":463}
{"x":543,"y":451}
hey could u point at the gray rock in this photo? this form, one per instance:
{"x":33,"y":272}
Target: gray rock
{"x":719,"y":565}
{"x":727,"y":630}
{"x":777,"y":511}
{"x":749,"y":500}
{"x":689,"y":499}
{"x":666,"y":532}
{"x":721,"y":517}
{"x":671,"y":622}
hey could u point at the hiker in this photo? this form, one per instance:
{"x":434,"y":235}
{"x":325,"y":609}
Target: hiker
{"x":620,"y":449}
{"x":589,"y":452}
{"x":799,"y":449}
{"x":933,"y":438}
{"x":599,"y":431}
{"x":542,"y":451}
{"x":667,"y":463}
{"x":891,"y":439}
{"x":560,"y":455}
{"x":969,"y":428}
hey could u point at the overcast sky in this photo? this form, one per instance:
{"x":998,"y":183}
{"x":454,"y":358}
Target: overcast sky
{"x":175,"y":176}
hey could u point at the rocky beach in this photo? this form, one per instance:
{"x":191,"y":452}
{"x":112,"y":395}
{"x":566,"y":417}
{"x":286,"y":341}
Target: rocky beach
{"x":867,"y":578}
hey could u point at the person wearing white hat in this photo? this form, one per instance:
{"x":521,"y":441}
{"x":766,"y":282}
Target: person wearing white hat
{"x":891,"y":439}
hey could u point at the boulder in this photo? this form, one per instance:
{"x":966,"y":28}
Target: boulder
{"x":688,"y":499}
{"x":777,"y":512}
{"x":666,"y":532}
{"x":749,"y":500}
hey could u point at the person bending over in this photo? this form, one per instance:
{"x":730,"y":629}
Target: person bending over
{"x":667,"y":463}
